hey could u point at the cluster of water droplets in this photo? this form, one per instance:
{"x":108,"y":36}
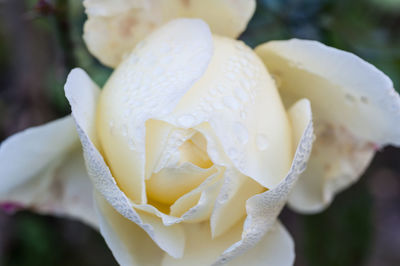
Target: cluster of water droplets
{"x":149,"y":83}
{"x":233,"y":93}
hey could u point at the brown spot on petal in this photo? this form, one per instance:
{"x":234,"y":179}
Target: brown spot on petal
{"x":343,"y":153}
{"x":186,"y":3}
{"x":126,"y":25}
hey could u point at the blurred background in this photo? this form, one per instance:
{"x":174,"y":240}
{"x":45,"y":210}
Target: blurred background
{"x":40,"y":42}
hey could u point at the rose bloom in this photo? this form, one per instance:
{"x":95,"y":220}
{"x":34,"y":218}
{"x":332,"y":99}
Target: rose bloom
{"x":196,"y":142}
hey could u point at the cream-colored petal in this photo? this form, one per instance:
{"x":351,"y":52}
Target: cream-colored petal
{"x":230,"y":206}
{"x":337,"y":160}
{"x":43,"y":170}
{"x":275,"y":248}
{"x":72,"y":190}
{"x":113,"y":29}
{"x":110,"y":8}
{"x":355,"y":111}
{"x":27,"y":153}
{"x":200,"y":248}
{"x":170,"y":184}
{"x":263,"y":209}
{"x":147,"y":86}
{"x":194,"y":206}
{"x":238,"y":99}
{"x":82,"y":94}
{"x":129,"y":243}
{"x":197,"y":205}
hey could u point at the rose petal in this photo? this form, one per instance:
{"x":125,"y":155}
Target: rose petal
{"x":238,"y":99}
{"x":275,"y":247}
{"x":129,"y":243}
{"x":170,"y":184}
{"x":197,"y":204}
{"x":230,"y":206}
{"x":147,"y":86}
{"x":41,"y":171}
{"x":263,"y":209}
{"x":27,"y":153}
{"x":82,"y":94}
{"x":356,"y":110}
{"x":114,"y":29}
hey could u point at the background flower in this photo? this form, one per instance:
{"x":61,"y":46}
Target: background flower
{"x":269,"y":3}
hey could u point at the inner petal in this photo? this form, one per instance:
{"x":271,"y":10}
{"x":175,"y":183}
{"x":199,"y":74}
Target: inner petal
{"x":194,"y":150}
{"x":179,"y":165}
{"x":170,"y":184}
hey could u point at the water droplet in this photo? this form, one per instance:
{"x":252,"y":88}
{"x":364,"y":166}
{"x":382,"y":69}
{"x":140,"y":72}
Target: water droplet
{"x":241,"y":94}
{"x":302,"y":167}
{"x":124,"y":130}
{"x":295,"y":64}
{"x":244,"y":62}
{"x":262,"y":142}
{"x":245,"y":83}
{"x":248,"y":72}
{"x":240,"y":132}
{"x":233,"y":153}
{"x":230,"y":76}
{"x":111,"y":127}
{"x":186,"y":121}
{"x":221,"y":89}
{"x":364,"y":100}
{"x":350,"y":98}
{"x":207,"y":108}
{"x":217,"y":105}
{"x":243,"y":115}
{"x":231,"y":102}
{"x":131,"y":144}
{"x":213,"y":92}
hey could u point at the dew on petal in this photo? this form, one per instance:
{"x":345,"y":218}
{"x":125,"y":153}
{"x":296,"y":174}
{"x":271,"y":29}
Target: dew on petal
{"x":262,"y":142}
{"x":350,"y":98}
{"x":186,"y":121}
{"x":364,"y":100}
{"x":231,"y":102}
{"x":124,"y":130}
{"x":243,"y":115}
{"x":241,"y":132}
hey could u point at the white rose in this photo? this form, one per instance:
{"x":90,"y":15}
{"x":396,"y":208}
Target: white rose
{"x":195,"y":142}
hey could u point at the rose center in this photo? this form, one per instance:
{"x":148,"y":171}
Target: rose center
{"x":186,"y":167}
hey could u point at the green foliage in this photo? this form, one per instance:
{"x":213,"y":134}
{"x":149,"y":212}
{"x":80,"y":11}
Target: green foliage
{"x":34,"y":243}
{"x":341,"y":235}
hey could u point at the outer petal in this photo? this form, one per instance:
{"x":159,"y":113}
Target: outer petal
{"x":263,"y":209}
{"x":129,"y":243}
{"x":356,"y":110}
{"x":114,"y":29}
{"x":275,"y":248}
{"x":42,"y":168}
{"x":82,"y":94}
{"x":230,"y":206}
